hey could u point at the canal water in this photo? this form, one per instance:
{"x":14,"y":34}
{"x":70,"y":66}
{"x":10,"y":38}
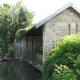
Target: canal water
{"x":17,"y":71}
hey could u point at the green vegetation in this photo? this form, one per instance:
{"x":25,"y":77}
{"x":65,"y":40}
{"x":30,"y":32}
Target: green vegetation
{"x":64,"y":61}
{"x":13,"y":18}
{"x":18,"y":33}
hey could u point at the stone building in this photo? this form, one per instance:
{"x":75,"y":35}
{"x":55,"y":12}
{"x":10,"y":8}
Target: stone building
{"x":40,"y":39}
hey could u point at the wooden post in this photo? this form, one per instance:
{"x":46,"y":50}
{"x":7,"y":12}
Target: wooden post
{"x":32,"y":53}
{"x":27,"y":47}
{"x":42,"y":48}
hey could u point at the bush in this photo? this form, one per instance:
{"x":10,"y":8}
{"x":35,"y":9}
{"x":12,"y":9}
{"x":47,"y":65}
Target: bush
{"x":11,"y":50}
{"x":63,"y":63}
{"x":11,"y":54}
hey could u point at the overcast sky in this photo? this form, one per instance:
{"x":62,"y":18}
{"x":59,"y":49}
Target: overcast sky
{"x":43,"y":8}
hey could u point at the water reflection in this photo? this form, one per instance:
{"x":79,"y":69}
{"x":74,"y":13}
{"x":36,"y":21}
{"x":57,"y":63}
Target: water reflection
{"x":17,"y":71}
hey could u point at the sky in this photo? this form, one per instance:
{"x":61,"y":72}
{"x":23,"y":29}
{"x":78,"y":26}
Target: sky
{"x":43,"y":8}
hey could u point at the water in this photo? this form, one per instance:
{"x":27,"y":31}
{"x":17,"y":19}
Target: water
{"x":17,"y":71}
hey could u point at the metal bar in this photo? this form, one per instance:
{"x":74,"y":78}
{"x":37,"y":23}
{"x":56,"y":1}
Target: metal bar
{"x":69,"y":29}
{"x":76,"y":28}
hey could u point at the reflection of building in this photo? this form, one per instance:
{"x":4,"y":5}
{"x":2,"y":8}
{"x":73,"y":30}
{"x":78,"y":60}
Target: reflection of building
{"x":39,"y":40}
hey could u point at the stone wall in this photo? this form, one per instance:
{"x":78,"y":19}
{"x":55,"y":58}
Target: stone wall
{"x":58,"y":27}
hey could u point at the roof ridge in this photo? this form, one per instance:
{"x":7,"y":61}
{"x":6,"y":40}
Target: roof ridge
{"x":56,"y":13}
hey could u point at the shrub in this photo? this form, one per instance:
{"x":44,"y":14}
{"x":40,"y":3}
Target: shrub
{"x":66,"y":57}
{"x":11,"y":50}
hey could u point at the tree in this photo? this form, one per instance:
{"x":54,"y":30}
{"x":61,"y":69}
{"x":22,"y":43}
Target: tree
{"x":13,"y":18}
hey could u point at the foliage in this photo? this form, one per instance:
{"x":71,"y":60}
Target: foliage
{"x":11,"y":52}
{"x":64,"y":61}
{"x":63,"y":73}
{"x":18,"y":33}
{"x":13,"y":18}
